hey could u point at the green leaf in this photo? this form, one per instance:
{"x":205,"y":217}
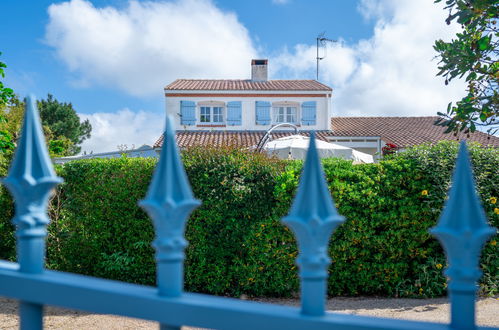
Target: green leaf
{"x":484,"y":43}
{"x":471,"y":76}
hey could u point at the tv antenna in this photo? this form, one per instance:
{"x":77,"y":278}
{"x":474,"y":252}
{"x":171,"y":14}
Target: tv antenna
{"x":321,"y":41}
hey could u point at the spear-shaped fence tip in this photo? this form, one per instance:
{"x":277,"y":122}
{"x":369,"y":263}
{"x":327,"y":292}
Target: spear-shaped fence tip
{"x":31,"y":176}
{"x":31,"y":163}
{"x":463,"y":229}
{"x":313,"y":218}
{"x":169,"y":201}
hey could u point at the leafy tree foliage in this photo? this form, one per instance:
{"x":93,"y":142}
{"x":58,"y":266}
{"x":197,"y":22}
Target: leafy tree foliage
{"x":473,"y":54}
{"x":63,"y":122}
{"x":61,"y":126}
{"x":6,"y":141}
{"x":6,"y":94}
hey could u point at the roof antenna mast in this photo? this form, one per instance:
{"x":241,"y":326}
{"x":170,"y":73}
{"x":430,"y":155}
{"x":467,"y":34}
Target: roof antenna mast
{"x":321,"y":42}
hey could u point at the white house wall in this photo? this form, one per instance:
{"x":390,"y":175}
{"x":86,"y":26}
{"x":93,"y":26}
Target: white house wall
{"x":248,"y":121}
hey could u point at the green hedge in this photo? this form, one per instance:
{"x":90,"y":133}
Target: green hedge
{"x":237,"y":190}
{"x":436,"y":163}
{"x":7,"y":241}
{"x":236,"y":241}
{"x":97,"y":227}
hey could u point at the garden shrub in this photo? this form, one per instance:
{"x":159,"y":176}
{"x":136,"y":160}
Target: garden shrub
{"x":384,"y":247}
{"x":436,"y":163}
{"x":380,"y":247}
{"x":97,"y":228}
{"x":237,"y":244}
{"x":237,"y":191}
{"x":7,"y":239}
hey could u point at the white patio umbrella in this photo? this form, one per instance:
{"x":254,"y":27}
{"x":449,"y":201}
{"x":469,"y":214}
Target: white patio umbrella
{"x":295,"y":147}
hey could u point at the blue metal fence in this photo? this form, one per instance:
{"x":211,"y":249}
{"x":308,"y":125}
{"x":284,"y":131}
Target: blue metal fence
{"x":462,"y":230}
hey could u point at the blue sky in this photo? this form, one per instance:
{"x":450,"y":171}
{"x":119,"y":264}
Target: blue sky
{"x":111,"y":58}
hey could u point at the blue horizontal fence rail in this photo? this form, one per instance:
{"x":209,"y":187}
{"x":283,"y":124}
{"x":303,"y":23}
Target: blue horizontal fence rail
{"x":462,"y":230}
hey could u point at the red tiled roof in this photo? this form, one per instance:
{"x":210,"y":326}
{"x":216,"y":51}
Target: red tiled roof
{"x":241,"y":139}
{"x":403,"y":131}
{"x":246,"y":85}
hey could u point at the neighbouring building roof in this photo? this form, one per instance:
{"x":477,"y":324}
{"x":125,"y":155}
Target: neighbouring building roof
{"x":143,"y":151}
{"x":403,"y":131}
{"x":246,"y":85}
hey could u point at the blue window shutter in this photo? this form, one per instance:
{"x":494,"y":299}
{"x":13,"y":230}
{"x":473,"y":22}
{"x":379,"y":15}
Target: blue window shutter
{"x":187,"y":112}
{"x":308,"y":113}
{"x":262,"y":113}
{"x":234,"y":113}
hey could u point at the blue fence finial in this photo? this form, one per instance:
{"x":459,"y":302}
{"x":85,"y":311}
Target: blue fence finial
{"x":462,"y":229}
{"x":313,"y":218}
{"x":31,"y":178}
{"x":31,"y":166}
{"x":169,"y":201}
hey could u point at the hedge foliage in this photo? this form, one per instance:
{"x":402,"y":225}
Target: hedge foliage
{"x":237,"y":244}
{"x":384,"y":247}
{"x":97,"y":227}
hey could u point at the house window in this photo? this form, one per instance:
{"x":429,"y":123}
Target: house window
{"x":212,"y":115}
{"x":285,"y":115}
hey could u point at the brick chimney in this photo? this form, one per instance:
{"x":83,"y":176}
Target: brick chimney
{"x":259,"y":71}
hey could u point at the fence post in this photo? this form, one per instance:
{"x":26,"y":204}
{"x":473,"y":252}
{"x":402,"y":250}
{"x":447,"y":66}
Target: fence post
{"x":169,"y":201}
{"x":462,"y":230}
{"x":30,"y":180}
{"x":313,"y":218}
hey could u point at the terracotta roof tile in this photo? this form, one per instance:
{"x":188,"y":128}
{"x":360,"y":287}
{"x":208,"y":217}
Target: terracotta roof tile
{"x":242,"y":139}
{"x":246,"y":85}
{"x":403,"y":131}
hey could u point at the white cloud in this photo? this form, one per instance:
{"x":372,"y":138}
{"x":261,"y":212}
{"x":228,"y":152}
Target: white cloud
{"x":123,"y":127}
{"x":393,"y":73}
{"x":146,"y":45}
{"x":301,"y":63}
{"x":280,"y":2}
{"x":376,"y":9}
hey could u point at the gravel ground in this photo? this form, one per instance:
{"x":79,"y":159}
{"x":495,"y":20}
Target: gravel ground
{"x":434,"y":310}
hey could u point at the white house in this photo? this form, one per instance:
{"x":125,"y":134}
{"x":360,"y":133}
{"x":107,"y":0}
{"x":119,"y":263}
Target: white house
{"x":254,"y":104}
{"x":211,"y":112}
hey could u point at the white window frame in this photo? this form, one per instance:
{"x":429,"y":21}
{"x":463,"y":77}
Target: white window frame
{"x":208,"y":110}
{"x":286,"y":115}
